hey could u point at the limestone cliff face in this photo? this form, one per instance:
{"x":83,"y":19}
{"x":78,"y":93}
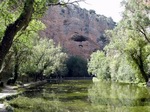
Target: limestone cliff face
{"x":79,"y":31}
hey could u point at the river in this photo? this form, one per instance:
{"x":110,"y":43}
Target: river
{"x":84,"y":96}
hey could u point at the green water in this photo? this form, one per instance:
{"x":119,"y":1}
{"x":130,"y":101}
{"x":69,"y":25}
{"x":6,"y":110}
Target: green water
{"x":114,"y":97}
{"x":84,"y":96}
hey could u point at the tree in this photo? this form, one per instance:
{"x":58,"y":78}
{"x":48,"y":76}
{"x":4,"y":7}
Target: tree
{"x":129,"y":49}
{"x":136,"y":18}
{"x":98,"y":65}
{"x":22,"y":41}
{"x":31,"y":9}
{"x":45,"y":59}
{"x":13,"y":28}
{"x":23,"y":45}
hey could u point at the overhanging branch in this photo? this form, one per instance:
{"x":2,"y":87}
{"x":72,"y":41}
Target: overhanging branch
{"x":142,"y":30}
{"x":66,"y":3}
{"x":13,"y":28}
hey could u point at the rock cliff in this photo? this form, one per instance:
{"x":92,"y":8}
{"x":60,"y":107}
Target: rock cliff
{"x":79,"y":31}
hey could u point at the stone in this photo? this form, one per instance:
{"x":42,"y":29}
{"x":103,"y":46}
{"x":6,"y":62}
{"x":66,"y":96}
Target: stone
{"x":63,"y":23}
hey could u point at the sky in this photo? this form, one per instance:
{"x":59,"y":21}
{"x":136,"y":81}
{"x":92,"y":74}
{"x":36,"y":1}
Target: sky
{"x":108,"y":8}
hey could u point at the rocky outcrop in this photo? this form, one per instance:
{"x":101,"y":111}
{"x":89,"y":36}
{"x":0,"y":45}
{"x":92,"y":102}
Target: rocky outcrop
{"x":79,"y":31}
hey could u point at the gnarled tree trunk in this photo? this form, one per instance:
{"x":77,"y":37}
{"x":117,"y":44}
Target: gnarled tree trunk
{"x":13,"y":28}
{"x":140,"y":64}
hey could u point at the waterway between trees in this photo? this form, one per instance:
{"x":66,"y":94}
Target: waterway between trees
{"x":84,"y":96}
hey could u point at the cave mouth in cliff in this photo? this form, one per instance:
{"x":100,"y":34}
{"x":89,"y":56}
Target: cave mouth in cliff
{"x":79,"y":38}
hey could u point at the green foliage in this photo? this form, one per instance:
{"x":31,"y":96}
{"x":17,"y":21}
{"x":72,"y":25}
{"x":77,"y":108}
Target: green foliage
{"x":7,"y":15}
{"x":23,"y":41}
{"x":22,"y":46}
{"x":10,"y":10}
{"x":110,"y":68}
{"x":36,"y":105}
{"x":77,"y":67}
{"x":120,"y":70}
{"x":46,"y":58}
{"x":98,"y":65}
{"x":128,"y":51}
{"x":136,"y":15}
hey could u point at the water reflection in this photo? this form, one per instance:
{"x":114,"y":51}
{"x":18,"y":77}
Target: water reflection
{"x":83,"y":96}
{"x":120,"y":97}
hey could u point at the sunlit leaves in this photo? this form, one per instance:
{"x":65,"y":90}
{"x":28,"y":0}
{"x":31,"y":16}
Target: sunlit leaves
{"x":137,"y":15}
{"x":46,"y":57}
{"x":6,"y":16}
{"x":128,"y":51}
{"x":98,"y":65}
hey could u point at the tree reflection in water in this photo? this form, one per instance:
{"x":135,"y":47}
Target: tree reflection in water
{"x":119,"y":97}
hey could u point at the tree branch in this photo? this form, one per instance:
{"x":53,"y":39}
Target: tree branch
{"x":142,"y":30}
{"x":14,"y":28}
{"x":66,"y":3}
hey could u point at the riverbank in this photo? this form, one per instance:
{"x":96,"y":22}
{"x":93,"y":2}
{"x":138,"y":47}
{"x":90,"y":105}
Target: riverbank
{"x":67,"y":96}
{"x":10,"y":92}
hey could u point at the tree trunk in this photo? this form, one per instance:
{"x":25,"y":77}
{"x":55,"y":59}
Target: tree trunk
{"x":13,"y":28}
{"x":140,"y":64}
{"x":141,"y":67}
{"x":16,"y":68}
{"x":39,"y":74}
